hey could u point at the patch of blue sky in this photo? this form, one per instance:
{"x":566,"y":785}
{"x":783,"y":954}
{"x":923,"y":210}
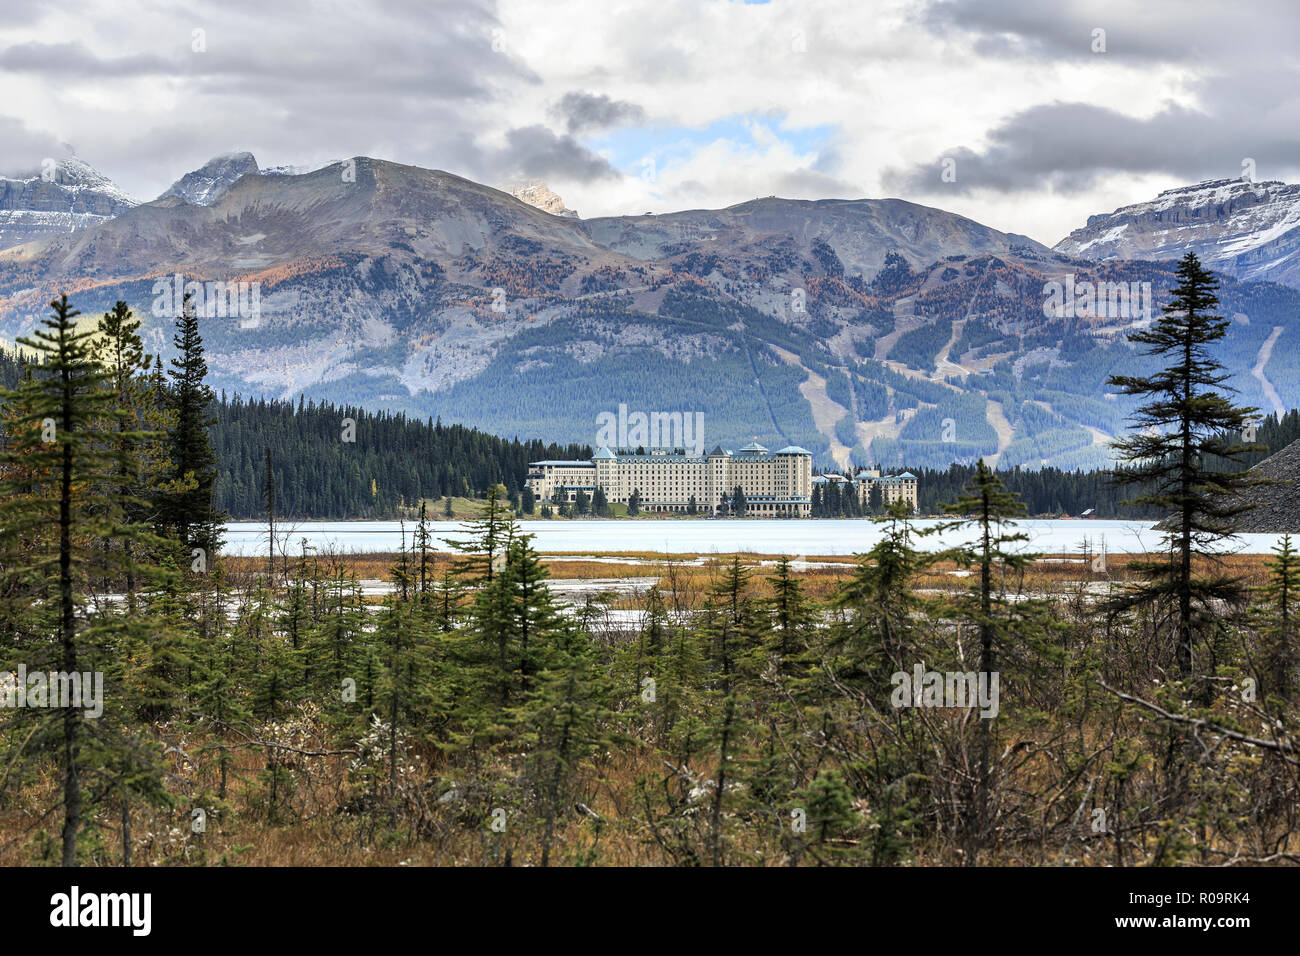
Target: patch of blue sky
{"x":628,"y":148}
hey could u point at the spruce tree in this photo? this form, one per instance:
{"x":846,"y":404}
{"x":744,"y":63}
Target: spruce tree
{"x":1279,"y":625}
{"x":190,"y":511}
{"x":561,"y":719}
{"x":1001,"y":624}
{"x":1186,"y":421}
{"x":58,"y":503}
{"x":882,"y":607}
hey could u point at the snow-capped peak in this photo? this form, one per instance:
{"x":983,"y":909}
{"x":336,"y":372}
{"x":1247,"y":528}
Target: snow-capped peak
{"x":1250,"y":230}
{"x":209,"y":182}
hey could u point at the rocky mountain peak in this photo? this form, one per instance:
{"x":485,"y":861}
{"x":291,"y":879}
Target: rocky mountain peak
{"x":60,"y":197}
{"x":540,"y":195}
{"x":209,"y":182}
{"x":1250,"y":230}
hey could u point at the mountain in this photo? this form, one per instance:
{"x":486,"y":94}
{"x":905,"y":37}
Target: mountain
{"x":208,"y":183}
{"x":205,"y":185}
{"x":65,"y":196}
{"x":540,"y":195}
{"x":869,"y":331}
{"x":1243,"y":229}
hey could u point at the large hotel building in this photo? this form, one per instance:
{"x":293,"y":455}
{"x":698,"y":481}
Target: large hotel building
{"x":775,"y":484}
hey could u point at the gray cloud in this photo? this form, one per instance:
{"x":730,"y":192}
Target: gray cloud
{"x":537,"y":152}
{"x":589,"y":112}
{"x":23,"y":149}
{"x":65,"y":60}
{"x":1154,"y":31}
{"x":1069,"y":146}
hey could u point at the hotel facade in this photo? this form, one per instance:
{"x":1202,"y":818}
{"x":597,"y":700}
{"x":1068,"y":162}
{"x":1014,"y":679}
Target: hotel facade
{"x":775,"y":484}
{"x":892,"y":487}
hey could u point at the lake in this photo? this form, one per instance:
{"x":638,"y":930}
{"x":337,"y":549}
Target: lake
{"x":722,"y":536}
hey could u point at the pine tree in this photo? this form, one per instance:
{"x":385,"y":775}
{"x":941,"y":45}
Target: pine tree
{"x":57,"y":504}
{"x":989,"y":509}
{"x":138,"y":424}
{"x":488,"y":537}
{"x":883,"y":608}
{"x":561,"y":716}
{"x":791,"y":616}
{"x":189,"y":509}
{"x":1279,"y":630}
{"x":422,"y":548}
{"x":730,"y":626}
{"x":1183,"y":424}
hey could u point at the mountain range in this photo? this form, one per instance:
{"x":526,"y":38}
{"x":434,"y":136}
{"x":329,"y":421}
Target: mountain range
{"x":869,"y":331}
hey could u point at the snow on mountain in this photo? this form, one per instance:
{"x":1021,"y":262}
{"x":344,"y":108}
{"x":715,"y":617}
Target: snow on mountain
{"x":209,"y":182}
{"x":63,"y":196}
{"x":1247,"y":230}
{"x":289,"y":170}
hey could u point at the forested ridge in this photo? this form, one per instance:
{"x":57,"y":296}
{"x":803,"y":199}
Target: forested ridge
{"x":390,"y":463}
{"x":323,"y":476}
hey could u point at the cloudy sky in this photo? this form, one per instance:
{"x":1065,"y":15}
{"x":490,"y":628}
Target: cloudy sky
{"x":1042,"y":113}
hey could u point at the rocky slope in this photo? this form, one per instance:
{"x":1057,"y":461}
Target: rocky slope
{"x":1274,"y":507}
{"x":1247,"y":230}
{"x":65,"y":196}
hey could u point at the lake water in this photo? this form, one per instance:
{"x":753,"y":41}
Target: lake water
{"x":677,"y":536}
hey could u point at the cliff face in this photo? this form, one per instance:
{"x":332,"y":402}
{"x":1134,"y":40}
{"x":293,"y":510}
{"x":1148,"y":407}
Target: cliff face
{"x":66,"y":196}
{"x":1244,"y":229}
{"x":544,"y":198}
